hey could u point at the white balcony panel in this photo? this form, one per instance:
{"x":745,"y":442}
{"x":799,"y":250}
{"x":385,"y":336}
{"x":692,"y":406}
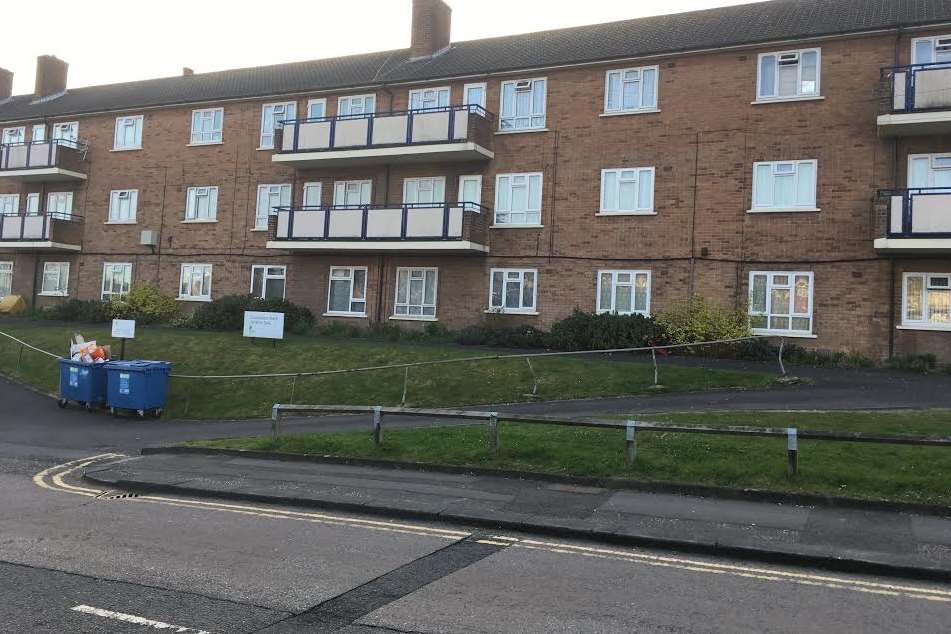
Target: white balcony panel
{"x":461,"y":124}
{"x":933,"y":88}
{"x":351,"y":132}
{"x":389,"y":130}
{"x":895,"y":213}
{"x":32,"y":228}
{"x":898,"y":101}
{"x":385,"y":223}
{"x":430,"y":126}
{"x":931,"y":213}
{"x":314,"y":135}
{"x":308,"y":224}
{"x":427,"y":222}
{"x":345,"y":223}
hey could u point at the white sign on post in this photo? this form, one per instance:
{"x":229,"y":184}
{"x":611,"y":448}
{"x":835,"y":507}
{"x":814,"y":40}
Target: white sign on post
{"x":263,"y":325}
{"x":123,"y":328}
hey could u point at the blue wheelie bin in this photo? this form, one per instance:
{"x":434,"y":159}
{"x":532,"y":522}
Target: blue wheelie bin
{"x":137,"y":385}
{"x":84,"y":383}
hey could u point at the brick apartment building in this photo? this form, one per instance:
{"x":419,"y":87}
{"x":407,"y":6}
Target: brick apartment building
{"x":785,"y":158}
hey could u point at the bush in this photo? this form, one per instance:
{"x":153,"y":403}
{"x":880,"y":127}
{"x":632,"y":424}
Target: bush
{"x":592,"y":331}
{"x":509,"y":337}
{"x":145,"y":304}
{"x":922,"y":363}
{"x":80,"y":310}
{"x":696,"y":320}
{"x":227,"y":313}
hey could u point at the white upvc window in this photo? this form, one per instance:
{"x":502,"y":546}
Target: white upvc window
{"x":356,"y":105}
{"x":201,"y":203}
{"x":9,"y":204}
{"x":311,"y":193}
{"x":784,"y":186}
{"x":268,"y":281}
{"x":474,"y":94}
{"x":424,"y":190}
{"x":55,"y":279}
{"x":929,"y":50}
{"x":39,"y":132}
{"x":207,"y":125}
{"x":66,"y":130}
{"x":929,"y":170}
{"x":523,"y":104}
{"x":128,"y":133}
{"x":317,"y":108}
{"x":270,"y":197}
{"x":781,"y":302}
{"x":428,"y":98}
{"x":15,"y":135}
{"x":788,"y":74}
{"x":470,"y":189}
{"x":926,"y":300}
{"x":59,"y":204}
{"x":347,"y":291}
{"x":6,"y":278}
{"x":123,"y":204}
{"x":513,"y":290}
{"x":627,"y":190}
{"x":353,"y":193}
{"x":195,"y":282}
{"x":630,"y":89}
{"x":518,"y":199}
{"x":415,"y":293}
{"x":271,"y":116}
{"x":32,"y":203}
{"x":624,"y":292}
{"x":116,"y":280}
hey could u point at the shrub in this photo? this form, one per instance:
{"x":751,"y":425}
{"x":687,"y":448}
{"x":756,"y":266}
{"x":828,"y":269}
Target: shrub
{"x":227,"y":313}
{"x":697,"y":320}
{"x":81,"y":310}
{"x":922,"y":363}
{"x":145,"y":304}
{"x":592,"y":331}
{"x":509,"y":337}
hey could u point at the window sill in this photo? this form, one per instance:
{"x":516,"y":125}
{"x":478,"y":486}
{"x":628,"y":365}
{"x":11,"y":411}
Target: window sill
{"x":408,"y":318}
{"x":192,"y":299}
{"x":53,"y":294}
{"x":511,"y":312}
{"x":199,"y":222}
{"x":782,"y":210}
{"x":262,"y":149}
{"x":514,"y":226}
{"x":760,"y":102}
{"x":120,"y":222}
{"x":338,"y":314}
{"x":783,"y":333}
{"x":526,"y":131}
{"x":924,"y":327}
{"x":206,"y":143}
{"x":125,"y":149}
{"x":258,"y":229}
{"x":626,"y":213}
{"x":629,"y":112}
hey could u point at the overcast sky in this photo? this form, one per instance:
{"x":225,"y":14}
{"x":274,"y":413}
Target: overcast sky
{"x":108,"y":41}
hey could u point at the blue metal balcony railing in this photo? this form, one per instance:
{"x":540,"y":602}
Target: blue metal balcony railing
{"x":918,"y":87}
{"x":65,"y":153}
{"x":923,"y":212}
{"x":33,"y":227}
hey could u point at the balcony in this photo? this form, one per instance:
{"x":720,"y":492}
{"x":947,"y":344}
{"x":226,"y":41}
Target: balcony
{"x":39,"y":161}
{"x":419,"y":227}
{"x":918,"y":100}
{"x":451,"y":133}
{"x":45,"y":232}
{"x":916,"y":221}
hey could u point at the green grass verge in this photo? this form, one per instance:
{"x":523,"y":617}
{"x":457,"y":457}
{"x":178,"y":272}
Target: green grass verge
{"x":870,"y":471}
{"x":202,"y":353}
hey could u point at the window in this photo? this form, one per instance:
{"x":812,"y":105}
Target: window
{"x":930,"y":50}
{"x":523,"y":105}
{"x":630,"y":90}
{"x":627,"y":190}
{"x":518,"y":199}
{"x":415,"y":293}
{"x":68,"y":131}
{"x":789,"y":74}
{"x":470,"y":189}
{"x":352,"y":192}
{"x":784,"y":186}
{"x":311,"y":194}
{"x":424,"y":190}
{"x":207,"y":125}
{"x":513,"y":290}
{"x":201,"y":203}
{"x":347,"y":293}
{"x":128,"y":133}
{"x":6,"y":279}
{"x":14,"y":135}
{"x":195,"y":282}
{"x":269,"y":197}
{"x":929,"y":170}
{"x":122,"y":205}
{"x":271,"y":116}
{"x":32,"y":204}
{"x":60,"y":204}
{"x":428,"y":98}
{"x":781,"y":302}
{"x":624,"y":292}
{"x":39,"y":132}
{"x":926,"y":300}
{"x":116,"y":280}
{"x":316,"y":108}
{"x":356,"y":105}
{"x":55,"y":279}
{"x":474,"y":95}
{"x":268,"y":282}
{"x":9,"y":204}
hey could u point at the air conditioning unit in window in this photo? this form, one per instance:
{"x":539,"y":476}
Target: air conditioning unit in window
{"x":149,"y":238}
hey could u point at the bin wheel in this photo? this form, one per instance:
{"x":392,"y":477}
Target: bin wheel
{"x":141,"y":413}
{"x":62,"y":403}
{"x":112,"y":410}
{"x":89,"y":406}
{"x":158,"y":412}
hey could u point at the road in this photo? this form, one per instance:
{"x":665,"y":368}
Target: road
{"x":74,"y":559}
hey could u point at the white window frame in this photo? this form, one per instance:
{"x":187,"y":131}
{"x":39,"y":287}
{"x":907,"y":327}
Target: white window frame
{"x":112,"y":267}
{"x":60,"y":204}
{"x":537,"y":110}
{"x":261,"y":216}
{"x":6,"y":278}
{"x":206,"y":270}
{"x":192,"y":195}
{"x":215,"y":135}
{"x":62,"y":275}
{"x":420,"y":93}
{"x":643,"y":106}
{"x":933,"y":40}
{"x":408,"y":272}
{"x":477,"y":178}
{"x":32,"y":204}
{"x":353,"y":298}
{"x":434,"y":184}
{"x":519,"y":277}
{"x":932,"y":168}
{"x":349,"y":101}
{"x":322,"y":102}
{"x":465,"y":93}
{"x":504,"y":197}
{"x":311,"y":187}
{"x":266,"y":276}
{"x":926,"y":287}
{"x":10,"y":204}
{"x":800,"y":95}
{"x":38,"y":127}
{"x":772,"y":206}
{"x":641,"y":208}
{"x":769,"y":313}
{"x":71,"y":127}
{"x":266,"y":138}
{"x":366,"y":186}
{"x":615,"y":284}
{"x":15,"y":135}
{"x":132,"y":195}
{"x":137,"y":123}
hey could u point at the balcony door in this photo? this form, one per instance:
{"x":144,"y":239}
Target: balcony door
{"x":424,"y":190}
{"x":929,"y":170}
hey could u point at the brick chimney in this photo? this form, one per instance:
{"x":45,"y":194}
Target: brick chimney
{"x":431,"y":22}
{"x":187,"y":72}
{"x":50,"y":77}
{"x":6,"y":84}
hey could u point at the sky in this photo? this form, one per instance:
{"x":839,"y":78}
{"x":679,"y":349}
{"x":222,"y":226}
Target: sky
{"x":111,"y":41}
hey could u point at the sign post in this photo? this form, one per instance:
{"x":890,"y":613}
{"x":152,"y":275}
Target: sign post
{"x":258,"y":325}
{"x":123,"y":329}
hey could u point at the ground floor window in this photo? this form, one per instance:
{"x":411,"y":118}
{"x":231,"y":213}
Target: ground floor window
{"x":415,"y":293}
{"x":781,"y":302}
{"x":55,"y":279}
{"x":195,"y":282}
{"x":926,"y":300}
{"x":347,"y":294}
{"x":116,"y":280}
{"x":6,"y":278}
{"x":268,"y":282}
{"x":624,"y":292}
{"x":513,"y":290}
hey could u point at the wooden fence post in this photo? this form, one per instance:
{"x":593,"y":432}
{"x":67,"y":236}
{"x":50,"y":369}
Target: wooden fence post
{"x":377,"y":425}
{"x":630,"y":442}
{"x":494,"y":433}
{"x":792,"y":451}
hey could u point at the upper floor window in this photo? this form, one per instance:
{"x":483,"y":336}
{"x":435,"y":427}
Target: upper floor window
{"x":207,"y":125}
{"x":201,"y":203}
{"x":352,"y":192}
{"x":928,"y":50}
{"x":627,"y":190}
{"x":929,"y":170}
{"x":39,"y":132}
{"x":14,"y":135}
{"x":66,"y":130}
{"x":624,"y":292}
{"x":122,"y":205}
{"x":33,"y":203}
{"x":316,"y":108}
{"x":784,"y":186}
{"x":470,"y":189}
{"x":630,"y":90}
{"x":271,"y":115}
{"x":780,"y":302}
{"x":356,"y":105}
{"x":518,"y":199}
{"x":59,"y":204}
{"x":311,"y":194}
{"x":428,"y":98}
{"x":424,"y":190}
{"x":926,"y":300}
{"x":9,"y":204}
{"x":128,"y":133}
{"x":269,"y":197}
{"x":474,"y":95}
{"x":789,"y":74}
{"x":523,"y":105}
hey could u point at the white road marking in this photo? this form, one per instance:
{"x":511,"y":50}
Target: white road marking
{"x":136,"y":620}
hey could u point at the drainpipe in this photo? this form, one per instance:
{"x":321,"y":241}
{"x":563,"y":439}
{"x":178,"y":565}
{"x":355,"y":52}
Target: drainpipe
{"x":891,"y":308}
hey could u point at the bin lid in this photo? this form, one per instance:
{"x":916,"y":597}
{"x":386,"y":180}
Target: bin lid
{"x":68,"y":361}
{"x":139,"y":364}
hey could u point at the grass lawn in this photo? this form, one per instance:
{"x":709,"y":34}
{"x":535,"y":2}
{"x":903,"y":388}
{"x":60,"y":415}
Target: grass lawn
{"x":871,"y":471}
{"x":202,"y":353}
